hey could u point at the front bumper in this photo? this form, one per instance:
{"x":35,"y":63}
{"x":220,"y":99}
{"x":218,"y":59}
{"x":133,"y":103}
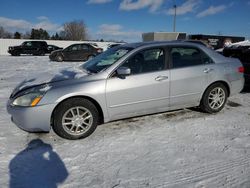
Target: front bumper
{"x":10,"y":51}
{"x":32,"y":119}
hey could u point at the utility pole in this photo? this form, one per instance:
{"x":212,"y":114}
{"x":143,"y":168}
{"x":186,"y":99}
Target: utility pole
{"x":175,"y":7}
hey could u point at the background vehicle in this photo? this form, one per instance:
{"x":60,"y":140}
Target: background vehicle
{"x":76,"y":52}
{"x":197,"y":42}
{"x":126,"y":81}
{"x":243,"y":54}
{"x":52,"y":48}
{"x":216,"y":41}
{"x":29,"y":47}
{"x":113,"y":45}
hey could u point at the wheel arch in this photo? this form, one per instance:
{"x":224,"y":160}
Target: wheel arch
{"x":204,"y":101}
{"x":90,"y":55}
{"x":97,"y":105}
{"x":219,"y":81}
{"x":225,"y":84}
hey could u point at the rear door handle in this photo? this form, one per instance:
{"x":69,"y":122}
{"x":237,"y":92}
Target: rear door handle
{"x":161,"y":78}
{"x":207,"y":70}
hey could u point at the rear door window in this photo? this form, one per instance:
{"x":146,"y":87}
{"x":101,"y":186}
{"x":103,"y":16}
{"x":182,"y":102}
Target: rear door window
{"x":75,"y":47}
{"x":84,"y":47}
{"x":188,"y":56}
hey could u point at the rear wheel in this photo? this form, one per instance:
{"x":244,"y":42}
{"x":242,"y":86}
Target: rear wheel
{"x":75,"y":118}
{"x":214,"y":98}
{"x":59,"y":58}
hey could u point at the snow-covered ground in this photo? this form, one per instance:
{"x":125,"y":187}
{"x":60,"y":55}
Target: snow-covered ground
{"x":185,"y":148}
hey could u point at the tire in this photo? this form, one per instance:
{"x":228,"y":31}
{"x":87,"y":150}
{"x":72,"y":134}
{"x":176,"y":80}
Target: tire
{"x":79,"y":125}
{"x":59,"y":58}
{"x":90,"y":57}
{"x":214,"y":98}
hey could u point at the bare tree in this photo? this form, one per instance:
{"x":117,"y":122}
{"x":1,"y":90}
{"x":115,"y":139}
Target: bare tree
{"x":1,"y":32}
{"x":26,"y":35}
{"x":75,"y":30}
{"x":5,"y":34}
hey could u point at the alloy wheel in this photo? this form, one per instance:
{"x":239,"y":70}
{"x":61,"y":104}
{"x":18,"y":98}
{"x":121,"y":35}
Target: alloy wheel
{"x":77,"y":120}
{"x":216,"y":98}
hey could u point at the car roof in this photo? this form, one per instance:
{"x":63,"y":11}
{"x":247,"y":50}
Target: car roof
{"x":36,"y":41}
{"x":153,"y":43}
{"x":214,"y":55}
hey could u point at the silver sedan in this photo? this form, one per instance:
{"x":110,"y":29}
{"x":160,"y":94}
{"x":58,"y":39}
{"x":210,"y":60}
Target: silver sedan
{"x":126,"y":81}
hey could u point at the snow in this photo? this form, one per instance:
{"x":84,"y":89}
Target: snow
{"x":184,"y":148}
{"x":242,"y":43}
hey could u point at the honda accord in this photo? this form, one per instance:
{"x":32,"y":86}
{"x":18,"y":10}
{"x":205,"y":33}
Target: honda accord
{"x":126,"y":81}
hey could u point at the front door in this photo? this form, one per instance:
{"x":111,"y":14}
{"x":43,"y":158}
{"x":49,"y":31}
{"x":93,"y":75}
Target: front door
{"x":71,"y":53}
{"x":28,"y":47}
{"x":144,"y":91}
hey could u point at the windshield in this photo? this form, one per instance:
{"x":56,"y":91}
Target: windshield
{"x":106,"y":59}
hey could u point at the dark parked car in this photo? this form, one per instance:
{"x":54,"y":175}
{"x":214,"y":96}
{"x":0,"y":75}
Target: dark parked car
{"x":243,"y":54}
{"x":52,"y":48}
{"x":198,"y":42}
{"x":76,"y":52}
{"x":29,"y":47}
{"x":113,"y":45}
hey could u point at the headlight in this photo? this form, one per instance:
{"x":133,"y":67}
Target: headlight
{"x":30,"y":97}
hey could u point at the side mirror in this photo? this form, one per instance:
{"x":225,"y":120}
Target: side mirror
{"x":123,"y":71}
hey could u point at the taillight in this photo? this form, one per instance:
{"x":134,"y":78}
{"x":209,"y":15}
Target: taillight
{"x":241,"y":69}
{"x":99,"y":50}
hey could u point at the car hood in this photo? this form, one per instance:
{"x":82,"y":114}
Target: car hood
{"x":56,"y":51}
{"x":15,"y":46}
{"x":50,"y":77}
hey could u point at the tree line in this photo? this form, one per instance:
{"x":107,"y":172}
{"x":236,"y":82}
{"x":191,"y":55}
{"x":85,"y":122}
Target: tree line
{"x":75,"y":30}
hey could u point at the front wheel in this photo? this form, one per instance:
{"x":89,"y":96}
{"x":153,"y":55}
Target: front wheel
{"x":90,"y":57}
{"x":214,"y":98}
{"x":75,"y":118}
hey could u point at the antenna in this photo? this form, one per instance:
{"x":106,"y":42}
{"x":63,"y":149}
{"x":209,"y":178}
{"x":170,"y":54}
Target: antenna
{"x":175,"y":8}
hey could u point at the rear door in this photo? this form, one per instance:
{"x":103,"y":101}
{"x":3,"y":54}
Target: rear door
{"x":83,"y":52}
{"x":189,"y":72}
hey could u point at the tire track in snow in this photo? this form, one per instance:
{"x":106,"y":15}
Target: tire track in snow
{"x":217,"y":171}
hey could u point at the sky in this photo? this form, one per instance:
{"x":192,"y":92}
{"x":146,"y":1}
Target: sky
{"x":128,"y":19}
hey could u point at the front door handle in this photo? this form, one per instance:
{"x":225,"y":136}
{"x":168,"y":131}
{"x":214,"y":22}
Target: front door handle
{"x":207,"y":70}
{"x":161,"y":78}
